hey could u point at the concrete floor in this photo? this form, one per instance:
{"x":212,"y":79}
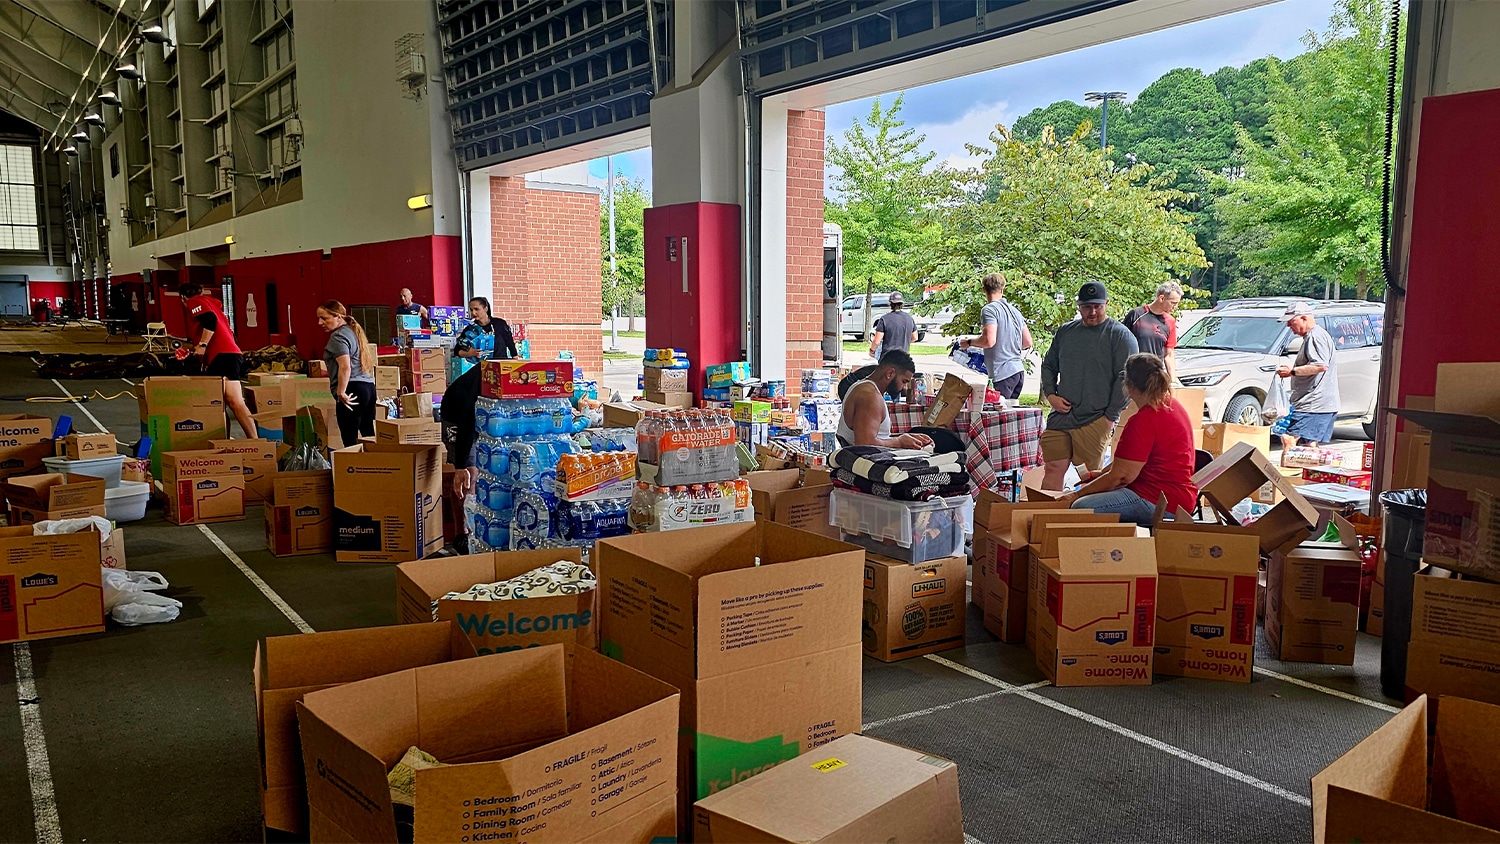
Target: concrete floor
{"x":149,"y":733}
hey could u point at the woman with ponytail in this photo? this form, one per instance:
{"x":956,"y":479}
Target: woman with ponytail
{"x":1154,"y":457}
{"x":351,"y":378}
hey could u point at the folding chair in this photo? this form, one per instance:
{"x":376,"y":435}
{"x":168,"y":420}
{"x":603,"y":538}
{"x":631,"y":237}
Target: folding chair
{"x":158,"y":341}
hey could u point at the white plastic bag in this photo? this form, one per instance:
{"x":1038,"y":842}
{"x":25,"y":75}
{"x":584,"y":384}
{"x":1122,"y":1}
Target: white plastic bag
{"x":1278,"y":400}
{"x":146,"y":608}
{"x":129,"y":600}
{"x":64,"y":526}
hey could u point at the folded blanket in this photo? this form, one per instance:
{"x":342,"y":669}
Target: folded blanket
{"x":892,"y":466}
{"x":920,"y":488}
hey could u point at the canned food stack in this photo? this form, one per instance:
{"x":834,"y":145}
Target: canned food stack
{"x":689,"y":472}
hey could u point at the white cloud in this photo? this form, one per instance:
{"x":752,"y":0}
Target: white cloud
{"x":974,"y":127}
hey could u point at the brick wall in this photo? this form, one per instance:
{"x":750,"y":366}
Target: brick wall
{"x":804,"y":244}
{"x":545,"y":246}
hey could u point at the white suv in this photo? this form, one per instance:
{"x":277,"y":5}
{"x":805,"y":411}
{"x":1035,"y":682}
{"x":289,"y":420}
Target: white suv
{"x":1233,"y":352}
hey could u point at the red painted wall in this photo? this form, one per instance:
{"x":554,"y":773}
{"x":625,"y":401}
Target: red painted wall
{"x":51,"y":291}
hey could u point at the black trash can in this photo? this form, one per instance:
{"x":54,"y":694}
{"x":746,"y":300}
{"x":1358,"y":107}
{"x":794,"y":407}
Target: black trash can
{"x":1405,"y":519}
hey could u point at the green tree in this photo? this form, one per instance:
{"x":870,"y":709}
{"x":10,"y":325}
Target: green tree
{"x":879,"y":177}
{"x":1183,"y":127}
{"x":1064,"y":116}
{"x":1247,"y":90}
{"x":1313,"y":190}
{"x":1050,"y":215}
{"x":629,"y":283}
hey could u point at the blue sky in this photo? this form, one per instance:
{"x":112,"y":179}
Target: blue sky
{"x":964,"y":110}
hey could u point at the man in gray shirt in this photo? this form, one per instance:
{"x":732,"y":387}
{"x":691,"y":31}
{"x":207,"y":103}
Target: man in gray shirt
{"x":1315,"y":386}
{"x":1083,"y":379}
{"x":1004,"y":338}
{"x":894,"y":331}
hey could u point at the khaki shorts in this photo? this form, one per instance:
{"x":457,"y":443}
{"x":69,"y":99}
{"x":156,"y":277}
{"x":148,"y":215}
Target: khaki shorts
{"x":1079,"y":445}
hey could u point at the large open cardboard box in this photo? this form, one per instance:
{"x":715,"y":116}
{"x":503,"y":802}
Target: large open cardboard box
{"x":24,"y":440}
{"x":49,"y":585}
{"x":52,"y":497}
{"x":1241,"y":472}
{"x":1455,"y":639}
{"x":203,"y":486}
{"x":1205,"y":600}
{"x":387,"y":502}
{"x":1098,"y":625}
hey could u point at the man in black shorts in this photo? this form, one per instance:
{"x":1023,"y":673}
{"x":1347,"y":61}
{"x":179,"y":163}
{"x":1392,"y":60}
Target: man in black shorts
{"x":214,"y":345}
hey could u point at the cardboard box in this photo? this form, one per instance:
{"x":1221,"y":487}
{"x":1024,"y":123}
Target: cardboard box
{"x":627,"y":414}
{"x":387,"y":502}
{"x":1393,"y":786}
{"x":416,"y":406}
{"x":203,"y":486}
{"x":317,"y":369}
{"x":24,"y":440}
{"x":258,"y":459}
{"x":670,"y":400}
{"x":588,"y":727}
{"x":768,"y":656}
{"x":665,"y":380}
{"x":1219,"y":437}
{"x":1312,"y":600}
{"x":496,"y":626}
{"x":316,"y":424}
{"x":49,"y":585}
{"x":1455,"y":638}
{"x":1412,"y":461}
{"x":181,"y":413}
{"x":87,"y":446}
{"x":855,"y":789}
{"x":910,"y":610}
{"x":1205,"y":601}
{"x":1049,"y":528}
{"x":1098,"y":628}
{"x":1356,"y":478}
{"x":409,"y":431}
{"x":288,"y":667}
{"x":1236,"y":475}
{"x":425,"y":381}
{"x":387,"y":381}
{"x":259,"y":379}
{"x":727,"y":374}
{"x":268,"y":400}
{"x":426,"y":360}
{"x":524,"y":379}
{"x":948,"y":402}
{"x":780,"y":496}
{"x":1001,"y":573}
{"x":299,"y":513}
{"x":51,"y":497}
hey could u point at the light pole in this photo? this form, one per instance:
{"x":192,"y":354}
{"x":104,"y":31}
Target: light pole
{"x":614,"y":278}
{"x":1103,"y":98}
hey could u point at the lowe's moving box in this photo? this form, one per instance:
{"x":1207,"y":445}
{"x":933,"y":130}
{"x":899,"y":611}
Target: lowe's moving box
{"x":1098,"y":626}
{"x":258,"y":462}
{"x":1240,"y":472}
{"x":1040,"y":543}
{"x":51,"y":497}
{"x":1312,"y":600}
{"x":1205,"y":600}
{"x":24,"y":440}
{"x":758,"y":624}
{"x":203,"y":486}
{"x":288,"y":667}
{"x":781,"y":496}
{"x":387,"y":502}
{"x":535,"y":747}
{"x":299,"y":514}
{"x":496,"y":626}
{"x":181,"y":413}
{"x":1001,"y":562}
{"x":910,"y":610}
{"x":1455,"y":638}
{"x":855,"y":789}
{"x":49,"y":585}
{"x":1393,"y":786}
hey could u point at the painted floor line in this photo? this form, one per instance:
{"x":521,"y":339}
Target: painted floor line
{"x":1307,"y":684}
{"x":265,"y":589}
{"x":1142,"y":738}
{"x":79,"y":405}
{"x":969,"y":839}
{"x":38,"y":761}
{"x":943,"y":707}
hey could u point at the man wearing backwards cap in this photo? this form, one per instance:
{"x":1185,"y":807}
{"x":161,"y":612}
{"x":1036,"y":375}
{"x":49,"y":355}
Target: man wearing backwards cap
{"x":1315,"y":386}
{"x":895,"y":330}
{"x":1083,"y":378}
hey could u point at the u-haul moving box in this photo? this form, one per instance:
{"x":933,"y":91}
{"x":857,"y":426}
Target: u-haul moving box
{"x":1098,"y":628}
{"x":1205,"y":601}
{"x":49,"y":585}
{"x":911,"y":610}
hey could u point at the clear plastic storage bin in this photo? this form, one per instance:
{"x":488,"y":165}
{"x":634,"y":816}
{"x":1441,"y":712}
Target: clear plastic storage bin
{"x":913,"y":531}
{"x":107,"y":468}
{"x":127,"y":502}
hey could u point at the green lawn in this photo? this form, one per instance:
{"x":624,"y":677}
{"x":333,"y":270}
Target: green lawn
{"x":856,"y":346}
{"x":641,"y":335}
{"x":622,"y":356}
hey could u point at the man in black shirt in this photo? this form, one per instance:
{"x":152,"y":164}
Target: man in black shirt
{"x":894,"y":331}
{"x":1155,"y":328}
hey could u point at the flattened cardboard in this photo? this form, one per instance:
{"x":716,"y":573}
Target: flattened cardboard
{"x":1205,"y":601}
{"x":497,"y":626}
{"x":203,"y":487}
{"x":779,"y":496}
{"x":24,"y":440}
{"x":1098,"y":624}
{"x":583,"y":744}
{"x":387,"y":502}
{"x":49,"y":585}
{"x":854,"y":789}
{"x":910,"y":610}
{"x":1239,"y":474}
{"x":1455,"y":639}
{"x":299,"y":516}
{"x":1312,"y":600}
{"x":288,"y":667}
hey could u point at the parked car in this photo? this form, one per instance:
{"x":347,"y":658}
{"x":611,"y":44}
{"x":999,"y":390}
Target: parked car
{"x":852,"y":316}
{"x":1233,"y":352}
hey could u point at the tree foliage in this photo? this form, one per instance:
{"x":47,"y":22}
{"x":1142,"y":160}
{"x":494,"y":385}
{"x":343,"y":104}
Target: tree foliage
{"x":1182,"y":126}
{"x":1064,"y":116}
{"x":631,"y":202}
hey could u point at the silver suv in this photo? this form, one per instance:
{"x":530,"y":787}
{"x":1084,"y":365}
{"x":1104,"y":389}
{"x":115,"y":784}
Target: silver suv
{"x":1233,"y":352}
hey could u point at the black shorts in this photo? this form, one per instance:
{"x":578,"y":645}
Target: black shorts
{"x":1011,"y":387}
{"x":229,"y":365}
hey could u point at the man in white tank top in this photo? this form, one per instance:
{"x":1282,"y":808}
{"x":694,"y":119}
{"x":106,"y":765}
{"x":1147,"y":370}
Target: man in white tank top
{"x":865,"y":420}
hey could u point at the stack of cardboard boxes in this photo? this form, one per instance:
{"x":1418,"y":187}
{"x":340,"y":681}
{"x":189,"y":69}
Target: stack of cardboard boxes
{"x":425,"y":371}
{"x":181,"y":413}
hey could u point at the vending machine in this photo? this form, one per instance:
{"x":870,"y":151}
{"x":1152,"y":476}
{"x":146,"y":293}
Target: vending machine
{"x":693,"y":286}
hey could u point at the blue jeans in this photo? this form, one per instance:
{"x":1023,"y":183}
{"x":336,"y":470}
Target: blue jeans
{"x":1129,"y":506}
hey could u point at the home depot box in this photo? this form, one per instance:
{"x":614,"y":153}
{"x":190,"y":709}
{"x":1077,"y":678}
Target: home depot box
{"x":203,"y":486}
{"x":49,"y":585}
{"x":24,"y":440}
{"x":786,"y":497}
{"x":258,"y":463}
{"x":524,"y":379}
{"x":180,"y":413}
{"x":299,"y":513}
{"x":1098,"y":628}
{"x":288,"y":667}
{"x":496,"y":626}
{"x":387,"y":502}
{"x":40,"y":498}
{"x":1219,"y":437}
{"x":855,"y":789}
{"x":409,"y":431}
{"x":87,"y":446}
{"x":1455,"y":638}
{"x":534,"y":746}
{"x":1205,"y":600}
{"x":1397,"y":786}
{"x":1236,"y":475}
{"x":1312,"y":600}
{"x":910,"y":610}
{"x":758,"y":624}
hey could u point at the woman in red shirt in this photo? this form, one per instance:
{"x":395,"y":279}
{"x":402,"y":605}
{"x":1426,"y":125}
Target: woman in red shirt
{"x":1154,"y":457}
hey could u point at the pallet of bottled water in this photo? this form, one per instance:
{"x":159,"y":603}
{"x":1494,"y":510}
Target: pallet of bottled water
{"x":526,"y":417}
{"x":654,"y":508}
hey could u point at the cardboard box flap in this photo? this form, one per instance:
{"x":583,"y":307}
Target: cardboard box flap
{"x":1390,"y":764}
{"x":992,"y":511}
{"x":1055,"y":533}
{"x":439,"y":576}
{"x":1465,"y":776}
{"x":1105,"y":556}
{"x":776,"y":480}
{"x":1372,"y":819}
{"x":1468,"y":388}
{"x":1042,"y":521}
{"x":358,"y":808}
{"x":342,"y":656}
{"x":1453,"y":424}
{"x":54,"y":491}
{"x":1011,"y":523}
{"x":1183,"y":547}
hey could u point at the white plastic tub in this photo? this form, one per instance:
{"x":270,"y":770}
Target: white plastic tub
{"x":107,"y":468}
{"x":127,"y":502}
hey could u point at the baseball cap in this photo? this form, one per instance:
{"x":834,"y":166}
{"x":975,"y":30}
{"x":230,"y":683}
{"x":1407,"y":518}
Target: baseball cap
{"x":1092,"y":293}
{"x":896,"y":298}
{"x":1295,"y":310}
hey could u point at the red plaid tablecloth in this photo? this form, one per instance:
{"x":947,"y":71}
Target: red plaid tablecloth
{"x":995,"y":441}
